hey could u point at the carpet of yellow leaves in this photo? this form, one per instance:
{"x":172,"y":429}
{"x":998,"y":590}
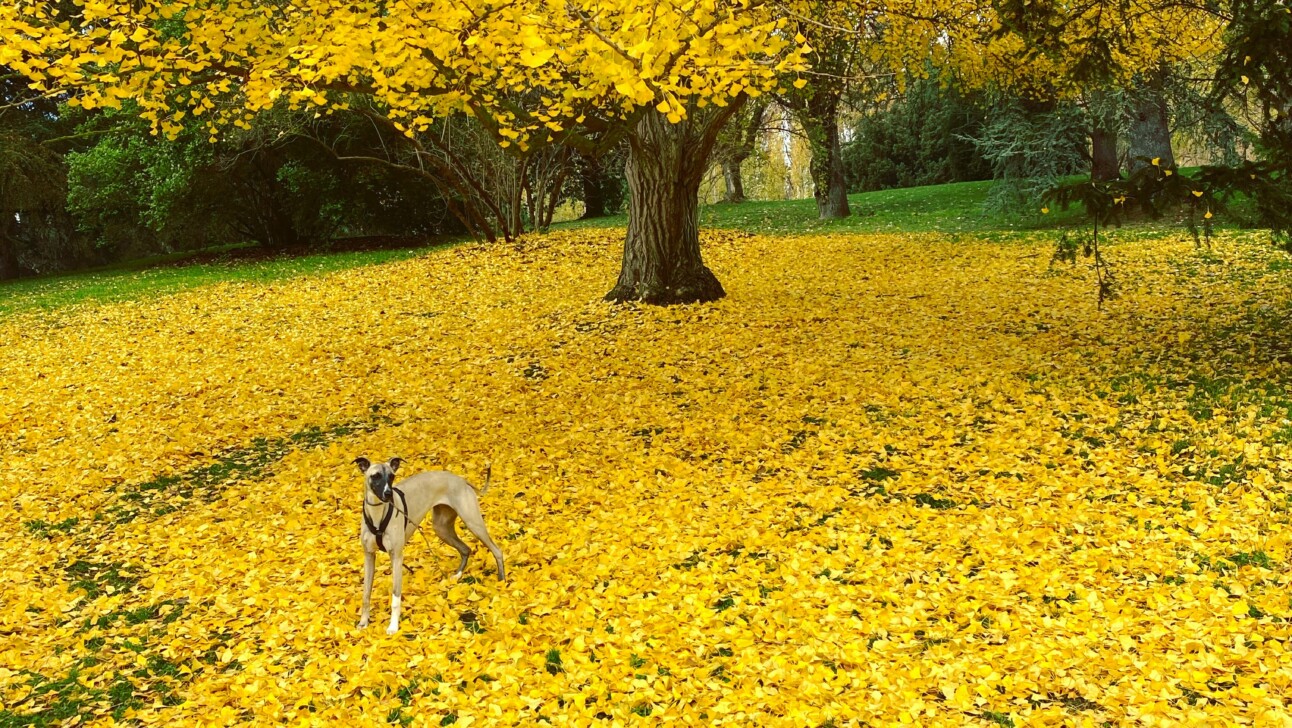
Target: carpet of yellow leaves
{"x":887,"y":480}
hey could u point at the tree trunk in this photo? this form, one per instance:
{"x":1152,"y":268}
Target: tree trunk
{"x":736,"y":145}
{"x":9,"y":266}
{"x":666,"y":164}
{"x":1150,"y":131}
{"x":1104,"y":166}
{"x":593,"y":180}
{"x":829,"y":184}
{"x":735,"y":182}
{"x":836,"y":198}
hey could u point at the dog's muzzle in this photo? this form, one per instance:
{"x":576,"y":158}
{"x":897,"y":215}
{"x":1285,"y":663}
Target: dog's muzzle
{"x":383,"y":491}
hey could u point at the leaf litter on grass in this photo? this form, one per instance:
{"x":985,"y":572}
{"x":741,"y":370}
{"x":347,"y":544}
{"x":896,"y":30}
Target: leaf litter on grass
{"x":888,"y":478}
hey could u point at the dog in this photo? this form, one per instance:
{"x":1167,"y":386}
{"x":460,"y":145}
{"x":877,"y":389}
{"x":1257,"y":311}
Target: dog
{"x":393,"y":511}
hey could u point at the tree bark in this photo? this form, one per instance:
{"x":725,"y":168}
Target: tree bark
{"x":820,"y":119}
{"x":1104,"y":165}
{"x":666,"y":164}
{"x":834,"y":203}
{"x":734,"y":181}
{"x":1150,"y":131}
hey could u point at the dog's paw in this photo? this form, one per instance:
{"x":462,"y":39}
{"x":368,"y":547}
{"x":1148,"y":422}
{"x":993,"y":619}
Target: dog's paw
{"x":363,"y":623}
{"x":392,"y":629}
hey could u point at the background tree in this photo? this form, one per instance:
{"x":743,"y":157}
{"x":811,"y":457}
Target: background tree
{"x":1115,"y":56}
{"x":922,"y":135}
{"x":33,"y":177}
{"x":736,"y":144}
{"x":1031,"y":146}
{"x":1149,"y":127}
{"x":271,"y":185}
{"x":1255,"y":73}
{"x":834,"y":33}
{"x":598,"y":182}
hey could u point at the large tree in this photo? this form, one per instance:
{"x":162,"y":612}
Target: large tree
{"x":666,"y":75}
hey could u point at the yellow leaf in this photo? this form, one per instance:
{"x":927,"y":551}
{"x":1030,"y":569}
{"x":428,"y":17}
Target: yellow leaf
{"x":534,"y":59}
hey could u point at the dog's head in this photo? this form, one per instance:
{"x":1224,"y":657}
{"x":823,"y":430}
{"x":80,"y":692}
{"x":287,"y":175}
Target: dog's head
{"x":380,"y":477}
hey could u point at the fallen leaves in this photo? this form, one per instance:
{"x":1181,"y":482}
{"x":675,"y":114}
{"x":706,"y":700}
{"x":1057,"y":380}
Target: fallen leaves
{"x":888,"y":479}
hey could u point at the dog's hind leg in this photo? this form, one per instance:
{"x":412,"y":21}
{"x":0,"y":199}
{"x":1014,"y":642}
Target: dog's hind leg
{"x":397,"y":589}
{"x":369,"y":566}
{"x":471,"y":518}
{"x":442,"y":519}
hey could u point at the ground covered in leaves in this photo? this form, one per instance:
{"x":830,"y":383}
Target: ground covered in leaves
{"x":888,"y":479}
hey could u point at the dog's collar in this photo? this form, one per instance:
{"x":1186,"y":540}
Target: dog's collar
{"x":380,"y":530}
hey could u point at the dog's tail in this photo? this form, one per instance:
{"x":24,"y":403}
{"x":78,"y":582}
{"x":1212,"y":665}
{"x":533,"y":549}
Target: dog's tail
{"x":488,"y":470}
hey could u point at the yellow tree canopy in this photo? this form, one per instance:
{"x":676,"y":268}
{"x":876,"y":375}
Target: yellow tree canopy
{"x":528,"y":66}
{"x":1064,"y":47}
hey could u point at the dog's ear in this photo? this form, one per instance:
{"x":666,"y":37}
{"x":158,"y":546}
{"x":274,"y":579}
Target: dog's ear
{"x":394,"y":464}
{"x":363,"y":464}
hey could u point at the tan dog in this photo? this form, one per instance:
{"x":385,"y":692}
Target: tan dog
{"x":390,"y":520}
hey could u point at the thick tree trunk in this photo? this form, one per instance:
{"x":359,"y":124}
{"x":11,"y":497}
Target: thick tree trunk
{"x":666,"y":164}
{"x":735,"y":182}
{"x":829,"y":184}
{"x":1104,"y":166}
{"x":1150,"y":131}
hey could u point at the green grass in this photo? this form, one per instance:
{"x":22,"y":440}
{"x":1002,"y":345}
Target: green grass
{"x":951,"y":208}
{"x":169,"y":274}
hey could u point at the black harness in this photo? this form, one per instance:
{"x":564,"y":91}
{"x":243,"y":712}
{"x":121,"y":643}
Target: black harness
{"x":380,"y":530}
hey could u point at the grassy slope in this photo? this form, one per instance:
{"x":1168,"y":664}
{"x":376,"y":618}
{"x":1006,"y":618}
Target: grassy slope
{"x":169,"y":274}
{"x":951,"y":209}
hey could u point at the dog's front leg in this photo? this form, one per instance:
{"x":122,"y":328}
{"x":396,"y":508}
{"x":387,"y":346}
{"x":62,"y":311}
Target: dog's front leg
{"x":369,"y":566}
{"x":397,"y":589}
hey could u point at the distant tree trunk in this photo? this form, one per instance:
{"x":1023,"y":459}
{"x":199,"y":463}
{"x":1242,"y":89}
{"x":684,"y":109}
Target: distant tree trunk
{"x":1104,"y":165}
{"x":602,"y":189}
{"x":734,"y":182}
{"x":737,"y":145}
{"x":1150,"y":131}
{"x":9,"y":266}
{"x":820,"y":119}
{"x":544,"y":180}
{"x":592,"y":177}
{"x":834,"y":203}
{"x":666,"y":164}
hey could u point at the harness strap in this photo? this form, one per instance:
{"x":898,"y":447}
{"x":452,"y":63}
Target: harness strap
{"x":379,"y":531}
